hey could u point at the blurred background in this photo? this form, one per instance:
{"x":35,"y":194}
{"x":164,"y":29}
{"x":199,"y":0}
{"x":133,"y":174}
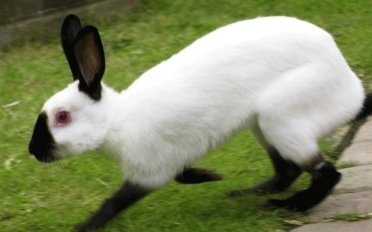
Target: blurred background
{"x":136,"y":35}
{"x":24,"y":20}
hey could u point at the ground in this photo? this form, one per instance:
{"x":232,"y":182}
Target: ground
{"x":39,"y":197}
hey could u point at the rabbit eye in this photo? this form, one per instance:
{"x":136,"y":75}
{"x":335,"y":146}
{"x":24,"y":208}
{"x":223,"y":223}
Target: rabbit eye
{"x":62,"y":117}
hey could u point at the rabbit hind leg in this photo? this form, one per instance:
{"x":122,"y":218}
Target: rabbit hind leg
{"x":286,"y":172}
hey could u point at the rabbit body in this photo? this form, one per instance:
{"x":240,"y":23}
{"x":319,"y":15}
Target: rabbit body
{"x":281,"y":77}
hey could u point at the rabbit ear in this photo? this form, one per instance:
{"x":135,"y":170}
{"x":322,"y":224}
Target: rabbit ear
{"x":90,"y":58}
{"x":70,"y":28}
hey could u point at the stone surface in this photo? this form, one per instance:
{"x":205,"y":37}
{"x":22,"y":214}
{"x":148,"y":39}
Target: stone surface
{"x":355,"y":179}
{"x":340,"y":226}
{"x":360,"y":153}
{"x":360,"y":150}
{"x":338,"y":204}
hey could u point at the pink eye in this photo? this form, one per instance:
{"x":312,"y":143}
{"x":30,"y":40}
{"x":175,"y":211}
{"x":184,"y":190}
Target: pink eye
{"x":62,"y":117}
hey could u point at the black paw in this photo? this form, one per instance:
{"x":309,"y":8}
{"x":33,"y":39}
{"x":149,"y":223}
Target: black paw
{"x":242,"y":192}
{"x":83,"y":228}
{"x":286,"y":204}
{"x":237,"y":193}
{"x":268,"y":187}
{"x":197,"y":176}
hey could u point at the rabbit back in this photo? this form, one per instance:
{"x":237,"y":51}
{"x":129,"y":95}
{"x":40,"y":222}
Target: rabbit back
{"x":280,"y":73}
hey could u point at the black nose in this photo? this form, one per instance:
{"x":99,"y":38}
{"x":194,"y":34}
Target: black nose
{"x":31,"y":148}
{"x":42,"y":143}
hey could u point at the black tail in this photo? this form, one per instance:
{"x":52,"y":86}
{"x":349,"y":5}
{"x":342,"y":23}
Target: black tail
{"x":366,"y":109}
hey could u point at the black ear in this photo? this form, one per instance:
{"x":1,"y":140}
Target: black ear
{"x":70,"y":28}
{"x":90,"y":58}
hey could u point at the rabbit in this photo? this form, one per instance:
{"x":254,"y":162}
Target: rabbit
{"x":282,"y":78}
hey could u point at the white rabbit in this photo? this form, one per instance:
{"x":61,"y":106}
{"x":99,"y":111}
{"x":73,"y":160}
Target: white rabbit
{"x":283,"y":78}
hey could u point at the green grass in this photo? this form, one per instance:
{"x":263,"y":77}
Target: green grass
{"x":351,"y":217}
{"x":343,"y":165}
{"x":38,"y":197}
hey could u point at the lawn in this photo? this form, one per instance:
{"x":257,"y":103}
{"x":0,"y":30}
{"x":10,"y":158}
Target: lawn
{"x":54,"y":197}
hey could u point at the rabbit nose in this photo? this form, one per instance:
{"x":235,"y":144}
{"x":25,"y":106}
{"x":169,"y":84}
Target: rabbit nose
{"x":42,"y":142}
{"x":31,"y":149}
{"x":41,"y":153}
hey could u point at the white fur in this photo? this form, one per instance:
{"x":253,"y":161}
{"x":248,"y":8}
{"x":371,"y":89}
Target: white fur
{"x":90,"y":119}
{"x":283,"y":77}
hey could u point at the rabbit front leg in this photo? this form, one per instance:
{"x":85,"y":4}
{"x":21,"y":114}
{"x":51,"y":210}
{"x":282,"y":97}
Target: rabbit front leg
{"x":127,"y":195}
{"x":197,"y":176}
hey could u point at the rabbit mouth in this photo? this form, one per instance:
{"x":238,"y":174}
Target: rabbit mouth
{"x":46,"y":158}
{"x":42,"y":144}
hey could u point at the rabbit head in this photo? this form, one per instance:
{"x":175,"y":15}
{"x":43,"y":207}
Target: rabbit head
{"x":76,"y":118}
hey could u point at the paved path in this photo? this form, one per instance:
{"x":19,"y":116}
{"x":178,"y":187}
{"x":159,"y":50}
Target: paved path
{"x":352,"y":197}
